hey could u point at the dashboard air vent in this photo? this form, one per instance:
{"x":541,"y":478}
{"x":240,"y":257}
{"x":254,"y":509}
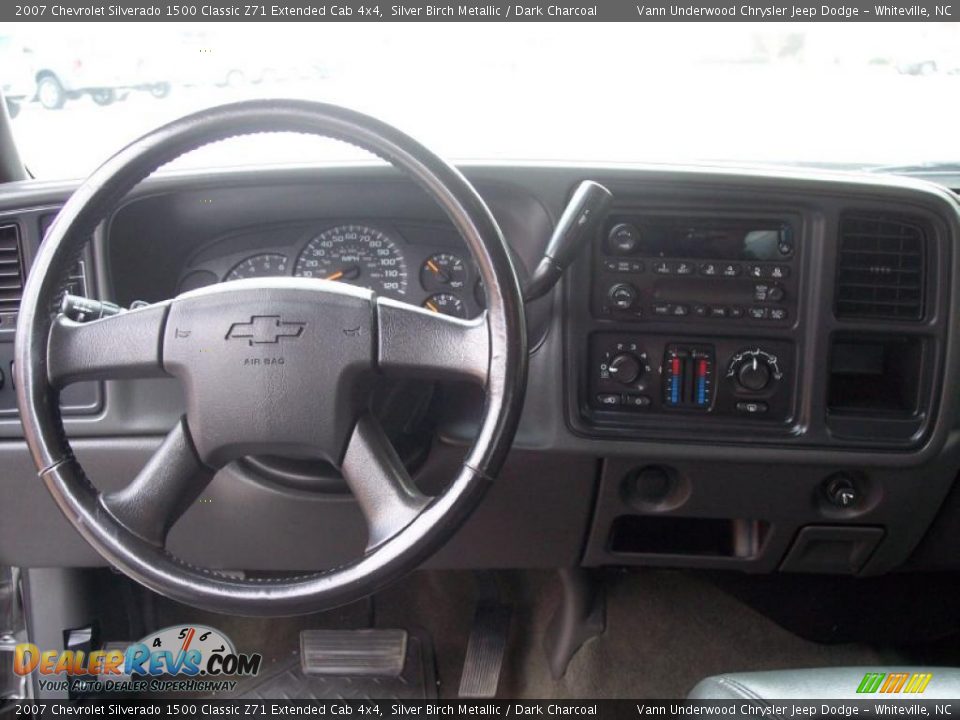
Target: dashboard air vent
{"x":11,"y":269}
{"x":880,"y":268}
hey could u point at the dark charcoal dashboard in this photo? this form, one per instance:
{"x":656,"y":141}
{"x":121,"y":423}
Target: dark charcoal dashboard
{"x":745,"y":370}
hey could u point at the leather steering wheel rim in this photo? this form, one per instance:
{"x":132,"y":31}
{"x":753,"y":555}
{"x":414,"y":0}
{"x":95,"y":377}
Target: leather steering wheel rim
{"x":51,"y":351}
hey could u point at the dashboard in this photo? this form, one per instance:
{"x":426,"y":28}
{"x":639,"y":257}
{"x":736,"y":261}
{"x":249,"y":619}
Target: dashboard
{"x":746,"y":369}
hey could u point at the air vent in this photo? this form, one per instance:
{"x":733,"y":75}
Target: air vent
{"x":11,"y":269}
{"x":880,"y":268}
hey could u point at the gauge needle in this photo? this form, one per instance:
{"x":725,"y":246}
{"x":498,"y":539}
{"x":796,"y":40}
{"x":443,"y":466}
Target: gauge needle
{"x":431,"y":306}
{"x":350,"y":273}
{"x":437,"y":271}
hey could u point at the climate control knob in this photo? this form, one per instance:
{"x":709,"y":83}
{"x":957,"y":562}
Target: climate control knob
{"x":754,"y":371}
{"x":625,"y":368}
{"x":754,"y":375}
{"x":622,"y":296}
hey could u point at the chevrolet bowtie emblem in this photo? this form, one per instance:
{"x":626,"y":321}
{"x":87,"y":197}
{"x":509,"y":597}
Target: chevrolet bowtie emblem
{"x":265,"y":330}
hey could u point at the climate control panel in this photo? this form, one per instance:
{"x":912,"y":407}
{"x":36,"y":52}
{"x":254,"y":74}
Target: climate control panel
{"x":639,"y":375}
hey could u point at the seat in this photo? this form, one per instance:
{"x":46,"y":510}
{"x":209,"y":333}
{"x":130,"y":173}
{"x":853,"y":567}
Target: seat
{"x":832,"y":683}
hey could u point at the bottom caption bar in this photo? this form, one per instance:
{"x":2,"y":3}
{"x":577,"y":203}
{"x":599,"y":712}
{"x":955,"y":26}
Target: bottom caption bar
{"x":465,"y":708}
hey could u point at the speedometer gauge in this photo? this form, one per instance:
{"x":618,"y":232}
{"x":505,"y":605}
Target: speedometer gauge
{"x":357,"y":254}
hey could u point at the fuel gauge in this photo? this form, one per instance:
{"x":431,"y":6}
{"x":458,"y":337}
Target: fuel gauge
{"x":446,"y":304}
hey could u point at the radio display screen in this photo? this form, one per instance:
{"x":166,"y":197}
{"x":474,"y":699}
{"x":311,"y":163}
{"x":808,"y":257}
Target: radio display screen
{"x":716,"y":239}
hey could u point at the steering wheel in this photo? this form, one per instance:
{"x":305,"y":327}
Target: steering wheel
{"x":276,"y":365}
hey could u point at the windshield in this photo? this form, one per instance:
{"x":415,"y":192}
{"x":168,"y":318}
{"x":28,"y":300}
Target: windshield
{"x":849,"y":95}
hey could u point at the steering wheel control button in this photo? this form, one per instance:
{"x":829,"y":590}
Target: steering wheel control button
{"x":623,"y":239}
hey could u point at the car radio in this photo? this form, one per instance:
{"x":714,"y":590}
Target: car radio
{"x":732,"y":270}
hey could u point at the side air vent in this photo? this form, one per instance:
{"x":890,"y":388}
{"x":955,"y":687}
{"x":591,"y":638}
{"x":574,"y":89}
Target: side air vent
{"x":11,"y":269}
{"x":880,"y":268}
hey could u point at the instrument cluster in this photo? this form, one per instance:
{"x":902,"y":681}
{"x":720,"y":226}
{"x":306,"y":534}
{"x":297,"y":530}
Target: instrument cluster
{"x":427,"y":269}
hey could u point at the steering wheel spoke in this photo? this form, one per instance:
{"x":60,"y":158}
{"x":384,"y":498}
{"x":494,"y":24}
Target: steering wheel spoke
{"x":417,"y":342}
{"x":166,"y":487}
{"x":121,"y":346}
{"x":380,"y":483}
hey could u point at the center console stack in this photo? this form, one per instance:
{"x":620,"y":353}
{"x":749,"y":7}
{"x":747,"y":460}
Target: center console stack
{"x":687,"y":293}
{"x":803,"y":320}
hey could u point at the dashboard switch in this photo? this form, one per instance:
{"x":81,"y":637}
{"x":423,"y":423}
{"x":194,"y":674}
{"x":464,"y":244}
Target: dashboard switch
{"x":625,"y":368}
{"x":622,"y":296}
{"x":841,"y":491}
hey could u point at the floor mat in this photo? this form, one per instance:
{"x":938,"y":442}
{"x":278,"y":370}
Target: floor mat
{"x":416,"y":682}
{"x":666,"y":630}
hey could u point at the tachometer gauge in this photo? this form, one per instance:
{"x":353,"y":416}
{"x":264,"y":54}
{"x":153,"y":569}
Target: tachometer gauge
{"x":263,"y":265}
{"x":357,"y":254}
{"x":443,"y":271}
{"x":446,"y":304}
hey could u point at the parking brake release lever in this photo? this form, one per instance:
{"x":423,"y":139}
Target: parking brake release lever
{"x":578,"y":223}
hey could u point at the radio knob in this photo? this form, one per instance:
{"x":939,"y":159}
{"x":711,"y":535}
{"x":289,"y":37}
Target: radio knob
{"x":622,"y":296}
{"x":625,"y":368}
{"x":623,"y":239}
{"x":754,"y":374}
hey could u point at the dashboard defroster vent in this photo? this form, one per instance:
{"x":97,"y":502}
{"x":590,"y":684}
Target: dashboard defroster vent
{"x":11,"y":269}
{"x":880,"y":268}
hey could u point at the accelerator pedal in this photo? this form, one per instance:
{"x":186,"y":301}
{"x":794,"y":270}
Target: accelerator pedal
{"x":486,"y":649}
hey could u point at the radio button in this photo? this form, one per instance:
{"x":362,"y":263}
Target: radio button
{"x":661,"y":309}
{"x":718,"y":311}
{"x":759,"y":313}
{"x":663,"y":268}
{"x":778,"y":272}
{"x":679,"y":310}
{"x":623,"y":239}
{"x":709,"y":269}
{"x":622,"y":296}
{"x":778,"y":313}
{"x":731,"y":270}
{"x":700,"y":310}
{"x":685,"y":268}
{"x":756,"y":271}
{"x":623,"y":266}
{"x":735,"y":312}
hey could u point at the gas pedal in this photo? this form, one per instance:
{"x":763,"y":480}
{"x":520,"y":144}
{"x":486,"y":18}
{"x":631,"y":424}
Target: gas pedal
{"x":485,"y":651}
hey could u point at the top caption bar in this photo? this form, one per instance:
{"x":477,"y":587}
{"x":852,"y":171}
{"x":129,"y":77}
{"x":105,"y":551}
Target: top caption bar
{"x":369,"y":11}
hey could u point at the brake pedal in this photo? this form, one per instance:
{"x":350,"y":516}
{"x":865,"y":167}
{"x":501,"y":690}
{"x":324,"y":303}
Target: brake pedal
{"x":358,"y":653}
